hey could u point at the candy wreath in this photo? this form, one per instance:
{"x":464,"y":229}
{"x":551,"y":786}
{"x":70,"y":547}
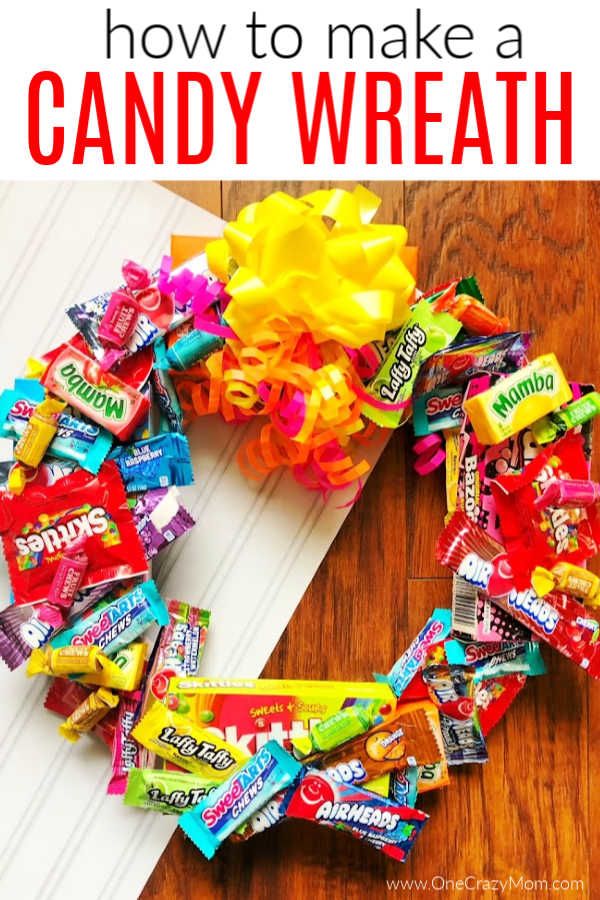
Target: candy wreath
{"x":305,"y":313}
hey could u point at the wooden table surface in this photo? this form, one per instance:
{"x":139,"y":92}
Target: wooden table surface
{"x":532,"y":811}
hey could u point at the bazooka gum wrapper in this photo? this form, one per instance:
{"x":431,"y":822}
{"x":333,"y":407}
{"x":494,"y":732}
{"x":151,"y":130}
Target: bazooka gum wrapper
{"x":114,"y":623}
{"x":178,"y":740}
{"x":75,"y":439}
{"x":38,"y":527}
{"x":436,"y":629}
{"x":383,"y":823}
{"x":424,"y":333}
{"x":166,"y":791}
{"x":233,"y":802}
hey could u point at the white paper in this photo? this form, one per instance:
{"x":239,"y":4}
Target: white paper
{"x":249,"y":559}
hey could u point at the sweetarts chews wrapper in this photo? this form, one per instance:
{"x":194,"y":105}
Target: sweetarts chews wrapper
{"x":77,"y":440}
{"x":39,"y":525}
{"x":228,"y":806}
{"x":115,"y":622}
{"x":380,"y":822}
{"x":436,"y":629}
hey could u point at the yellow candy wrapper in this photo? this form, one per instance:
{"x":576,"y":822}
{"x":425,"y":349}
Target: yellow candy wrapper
{"x":88,"y":714}
{"x":69,"y":660}
{"x":180,"y":741}
{"x":121,"y":673}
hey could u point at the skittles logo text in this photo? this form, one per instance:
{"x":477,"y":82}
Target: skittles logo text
{"x":244,"y":788}
{"x":57,"y":536}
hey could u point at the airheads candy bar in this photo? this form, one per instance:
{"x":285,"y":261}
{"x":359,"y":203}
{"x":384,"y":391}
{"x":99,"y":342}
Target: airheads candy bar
{"x":39,"y":526}
{"x":436,"y":629}
{"x":383,"y":823}
{"x":515,"y":402}
{"x":83,"y":442}
{"x":248,"y":713}
{"x":234,"y":802}
{"x":104,"y":398}
{"x":192,"y":747}
{"x":557,"y":618}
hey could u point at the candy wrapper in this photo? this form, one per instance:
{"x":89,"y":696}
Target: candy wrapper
{"x":248,"y":712}
{"x":493,"y":698}
{"x":422,"y":335}
{"x":160,"y":519}
{"x":75,"y":439}
{"x":163,"y":303}
{"x":39,"y":526}
{"x":410,"y":736}
{"x":107,"y":400}
{"x":535,"y":536}
{"x":158,"y":462}
{"x":114,"y":623}
{"x":452,"y":688}
{"x":166,"y":791}
{"x":88,"y":714}
{"x":557,"y":618}
{"x":406,"y":667}
{"x":476,"y":617}
{"x":125,"y":750}
{"x":191,"y":747}
{"x":461,"y":362}
{"x":491,"y":660}
{"x":232,"y":803}
{"x":382,"y":823}
{"x":65,"y":696}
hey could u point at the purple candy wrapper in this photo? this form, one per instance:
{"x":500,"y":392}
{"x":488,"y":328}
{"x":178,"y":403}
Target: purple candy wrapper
{"x":160,"y":519}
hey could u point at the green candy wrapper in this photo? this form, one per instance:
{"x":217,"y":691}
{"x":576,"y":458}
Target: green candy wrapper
{"x":166,"y":791}
{"x":423,"y":334}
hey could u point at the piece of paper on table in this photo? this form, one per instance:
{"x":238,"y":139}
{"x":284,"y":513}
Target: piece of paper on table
{"x":249,"y":559}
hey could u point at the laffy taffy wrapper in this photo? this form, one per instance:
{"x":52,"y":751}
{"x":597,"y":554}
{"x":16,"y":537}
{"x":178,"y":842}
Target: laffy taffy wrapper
{"x":249,"y":712}
{"x":180,"y":741}
{"x":39,"y":527}
{"x":547,"y":536}
{"x":384,"y":824}
{"x":166,"y":791}
{"x":410,"y":736}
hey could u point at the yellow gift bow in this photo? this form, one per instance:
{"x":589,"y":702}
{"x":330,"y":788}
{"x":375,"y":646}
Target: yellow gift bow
{"x":315,"y":264}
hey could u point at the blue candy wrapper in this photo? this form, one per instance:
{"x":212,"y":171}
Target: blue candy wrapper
{"x":158,"y":462}
{"x":237,"y":799}
{"x":76,"y":440}
{"x":493,"y":660}
{"x":406,"y":667}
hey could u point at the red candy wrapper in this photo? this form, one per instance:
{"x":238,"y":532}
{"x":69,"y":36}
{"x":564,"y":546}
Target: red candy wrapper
{"x":369,"y":817}
{"x":546,"y":536}
{"x":493,"y":698}
{"x":65,"y":696}
{"x":125,"y":750}
{"x":557,"y":619}
{"x":39,"y":526}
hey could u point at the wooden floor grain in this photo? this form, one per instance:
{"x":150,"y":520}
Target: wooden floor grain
{"x":532,"y":812}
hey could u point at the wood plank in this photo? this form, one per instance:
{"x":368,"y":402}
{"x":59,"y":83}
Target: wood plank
{"x":528,"y":811}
